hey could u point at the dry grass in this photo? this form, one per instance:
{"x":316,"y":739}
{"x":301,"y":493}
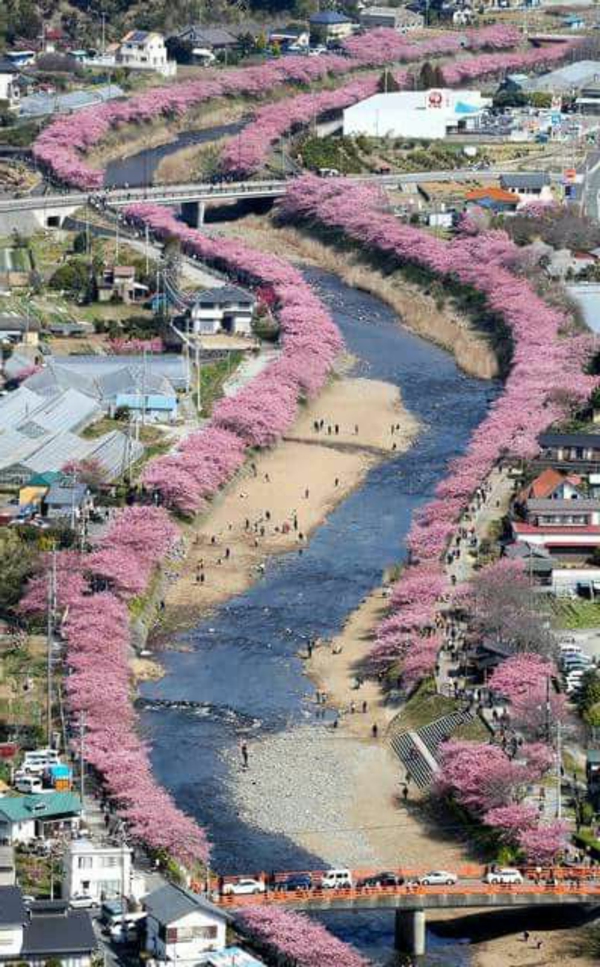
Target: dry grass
{"x":418,"y":310}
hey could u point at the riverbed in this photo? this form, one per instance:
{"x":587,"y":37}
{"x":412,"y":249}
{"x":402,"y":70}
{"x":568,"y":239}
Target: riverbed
{"x":242,"y":663}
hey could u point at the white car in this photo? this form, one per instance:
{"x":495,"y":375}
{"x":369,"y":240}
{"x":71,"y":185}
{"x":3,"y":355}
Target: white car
{"x":337,"y":880}
{"x":245,"y":887}
{"x":438,"y":878}
{"x":82,"y":901}
{"x":507,"y":875}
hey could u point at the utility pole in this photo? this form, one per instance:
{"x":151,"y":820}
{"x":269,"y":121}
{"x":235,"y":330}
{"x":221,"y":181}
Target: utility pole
{"x":558,"y":771}
{"x":147,"y":239}
{"x":49,"y":643}
{"x":82,"y":760}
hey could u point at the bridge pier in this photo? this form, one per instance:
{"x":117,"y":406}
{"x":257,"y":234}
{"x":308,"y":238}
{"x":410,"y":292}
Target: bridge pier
{"x":410,"y":931}
{"x":192,"y":213}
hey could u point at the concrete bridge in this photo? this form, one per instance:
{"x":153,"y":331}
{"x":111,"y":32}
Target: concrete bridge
{"x":52,"y":208}
{"x":411,"y":899}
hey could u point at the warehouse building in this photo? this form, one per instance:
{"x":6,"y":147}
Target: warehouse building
{"x":432,"y":114}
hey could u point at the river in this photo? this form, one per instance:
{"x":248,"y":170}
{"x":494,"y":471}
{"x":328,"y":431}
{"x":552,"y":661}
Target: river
{"x":137,"y":170}
{"x":242,"y":662}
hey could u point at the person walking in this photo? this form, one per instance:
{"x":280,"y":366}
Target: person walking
{"x":244,"y":751}
{"x":364,"y":707}
{"x":374,"y":730}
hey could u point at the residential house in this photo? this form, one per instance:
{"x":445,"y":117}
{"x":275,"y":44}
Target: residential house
{"x":118,"y":282}
{"x":555,"y":512}
{"x":228,"y":308}
{"x":295,"y":36}
{"x":573,"y":22}
{"x":397,"y":18}
{"x":154,"y":407}
{"x":19,"y":329}
{"x":496,"y":200}
{"x":528,"y":185}
{"x":577,"y":451}
{"x":44,"y":932}
{"x":329,"y":26}
{"x":23,"y":818}
{"x":207,"y":42}
{"x":551,"y":484}
{"x":67,"y":500}
{"x":182,"y":926}
{"x":145,"y":50}
{"x":7,"y":868}
{"x":562,"y":541}
{"x":101,"y":872}
{"x":9,"y":89}
{"x":537,"y":562}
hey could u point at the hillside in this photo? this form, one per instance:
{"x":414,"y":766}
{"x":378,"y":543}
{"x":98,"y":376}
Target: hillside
{"x":81,"y":20}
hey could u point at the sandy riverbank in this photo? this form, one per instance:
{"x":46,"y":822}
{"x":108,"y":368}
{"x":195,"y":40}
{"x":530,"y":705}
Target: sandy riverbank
{"x":275,"y":503}
{"x":420,"y":311}
{"x":336,"y":792}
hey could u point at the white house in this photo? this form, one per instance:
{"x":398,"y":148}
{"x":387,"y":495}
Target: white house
{"x":182,"y":926}
{"x":432,"y":114}
{"x":9,"y":90}
{"x":22,"y":818}
{"x":145,"y":50}
{"x":226,"y":308}
{"x":528,"y":185}
{"x":329,"y":26}
{"x":397,"y":18}
{"x":102,"y":872}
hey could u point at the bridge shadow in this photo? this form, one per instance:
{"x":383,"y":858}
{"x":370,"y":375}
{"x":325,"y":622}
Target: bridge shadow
{"x":493,"y":924}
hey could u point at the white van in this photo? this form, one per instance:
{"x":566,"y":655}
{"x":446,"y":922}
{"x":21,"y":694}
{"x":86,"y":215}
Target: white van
{"x":337,"y":880}
{"x":40,"y":759}
{"x":506,"y":875}
{"x":28,"y":784}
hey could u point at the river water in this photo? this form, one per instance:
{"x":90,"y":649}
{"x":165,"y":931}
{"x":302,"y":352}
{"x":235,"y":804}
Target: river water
{"x":242,"y":662}
{"x":137,"y":170}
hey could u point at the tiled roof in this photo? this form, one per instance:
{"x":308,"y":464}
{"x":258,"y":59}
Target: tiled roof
{"x":41,"y":806}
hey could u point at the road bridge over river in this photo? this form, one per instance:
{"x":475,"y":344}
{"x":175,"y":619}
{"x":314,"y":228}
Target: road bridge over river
{"x":410,"y":897}
{"x":53,"y":207}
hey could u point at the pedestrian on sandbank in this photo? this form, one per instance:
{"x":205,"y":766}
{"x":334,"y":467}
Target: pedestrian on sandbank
{"x":374,"y":730}
{"x":244,"y":751}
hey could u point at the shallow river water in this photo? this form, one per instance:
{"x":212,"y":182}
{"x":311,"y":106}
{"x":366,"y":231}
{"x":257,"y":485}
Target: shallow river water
{"x":242,"y":663}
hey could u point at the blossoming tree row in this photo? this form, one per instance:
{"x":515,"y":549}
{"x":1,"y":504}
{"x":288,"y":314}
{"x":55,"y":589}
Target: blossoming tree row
{"x":62,"y":145}
{"x":93,"y":589}
{"x":247,"y":155}
{"x":545,"y":381}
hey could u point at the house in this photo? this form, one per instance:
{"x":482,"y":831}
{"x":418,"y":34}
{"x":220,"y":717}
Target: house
{"x":562,"y":541}
{"x":565,"y":513}
{"x":22,"y":818}
{"x":537,"y":562}
{"x":154,"y":407}
{"x":329,"y":26}
{"x":19,"y":329}
{"x":9,"y":89}
{"x":528,"y":185}
{"x":67,"y":500}
{"x":43,"y":932}
{"x":573,"y":22}
{"x":294,"y":36}
{"x":551,"y":484}
{"x":577,"y":451}
{"x":227,"y":308}
{"x":182,"y":926}
{"x":145,"y":50}
{"x":397,"y":18}
{"x":492,"y":199}
{"x":7,"y":868}
{"x":207,"y":42}
{"x":102,"y":872}
{"x":118,"y":282}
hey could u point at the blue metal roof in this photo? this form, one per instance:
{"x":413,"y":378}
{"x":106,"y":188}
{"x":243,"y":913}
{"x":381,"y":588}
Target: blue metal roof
{"x":329,"y":17}
{"x":147,"y":402}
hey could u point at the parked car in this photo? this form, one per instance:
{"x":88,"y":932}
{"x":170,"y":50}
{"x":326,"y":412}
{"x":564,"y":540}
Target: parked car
{"x":438,"y":878}
{"x":28,"y":784}
{"x":382,"y":879}
{"x":336,"y":880}
{"x":506,"y":875}
{"x":297,"y":881}
{"x":245,"y":887}
{"x":82,"y":901}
